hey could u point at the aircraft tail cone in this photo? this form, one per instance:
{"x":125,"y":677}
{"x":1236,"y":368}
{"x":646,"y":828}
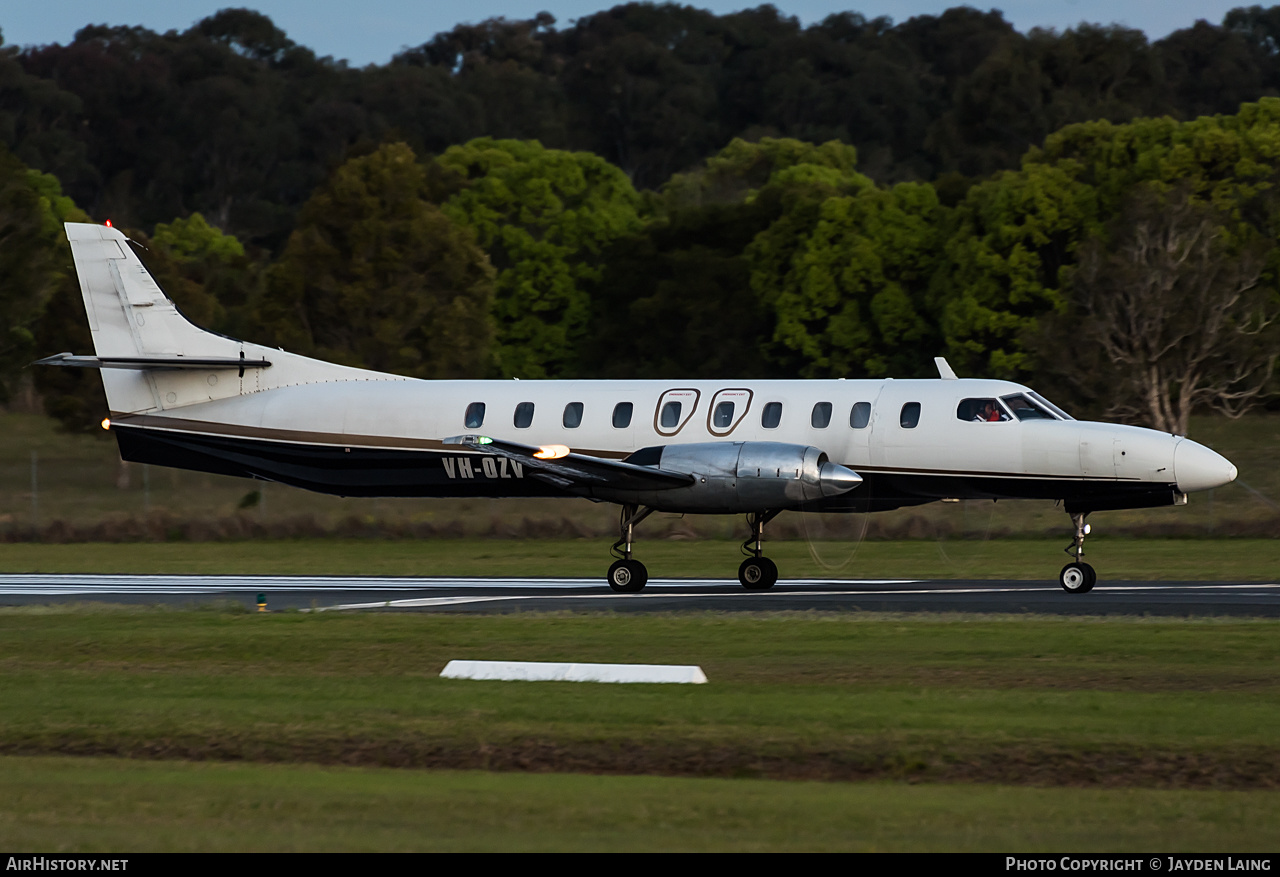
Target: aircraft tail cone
{"x":836,"y":479}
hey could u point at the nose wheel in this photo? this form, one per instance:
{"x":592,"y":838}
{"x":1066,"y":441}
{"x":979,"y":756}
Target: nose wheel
{"x":1078,"y":577}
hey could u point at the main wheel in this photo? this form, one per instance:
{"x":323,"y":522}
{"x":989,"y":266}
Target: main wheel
{"x":628,"y":576}
{"x":1077,"y":578}
{"x":758,"y":573}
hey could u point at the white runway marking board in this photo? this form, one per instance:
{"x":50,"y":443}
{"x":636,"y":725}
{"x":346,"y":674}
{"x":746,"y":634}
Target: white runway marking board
{"x":539,"y":671}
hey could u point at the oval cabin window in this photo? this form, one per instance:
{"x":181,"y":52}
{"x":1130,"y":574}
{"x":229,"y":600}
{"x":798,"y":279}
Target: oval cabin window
{"x":771,"y":416}
{"x":670,"y":415}
{"x":860,"y":416}
{"x":910,"y":417}
{"x":573,"y":415}
{"x":474,"y":418}
{"x":722,"y":417}
{"x":524,"y":415}
{"x":622,"y":415}
{"x":821,"y":416}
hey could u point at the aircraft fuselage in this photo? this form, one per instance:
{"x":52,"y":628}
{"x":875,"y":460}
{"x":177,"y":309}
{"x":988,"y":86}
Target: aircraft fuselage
{"x":370,"y":437}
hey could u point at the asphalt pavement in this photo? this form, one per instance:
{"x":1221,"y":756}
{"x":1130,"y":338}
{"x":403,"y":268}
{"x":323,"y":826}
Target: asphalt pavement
{"x":489,"y":595}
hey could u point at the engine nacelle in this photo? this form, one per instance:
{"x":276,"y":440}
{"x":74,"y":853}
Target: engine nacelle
{"x":740,"y":477}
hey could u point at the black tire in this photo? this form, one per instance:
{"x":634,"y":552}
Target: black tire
{"x":628,"y":576}
{"x":758,"y":573}
{"x":1077,"y":578}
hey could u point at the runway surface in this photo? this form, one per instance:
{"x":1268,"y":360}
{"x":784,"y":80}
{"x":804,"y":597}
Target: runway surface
{"x":356,"y":593}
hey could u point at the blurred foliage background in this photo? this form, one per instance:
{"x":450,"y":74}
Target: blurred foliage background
{"x":659,"y":191}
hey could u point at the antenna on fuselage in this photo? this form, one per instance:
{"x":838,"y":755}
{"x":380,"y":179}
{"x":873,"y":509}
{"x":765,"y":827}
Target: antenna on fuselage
{"x":944,"y":370}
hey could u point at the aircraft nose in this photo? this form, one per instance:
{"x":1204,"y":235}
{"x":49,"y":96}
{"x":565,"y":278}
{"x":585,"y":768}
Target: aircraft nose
{"x":1195,"y":467}
{"x":836,"y":479}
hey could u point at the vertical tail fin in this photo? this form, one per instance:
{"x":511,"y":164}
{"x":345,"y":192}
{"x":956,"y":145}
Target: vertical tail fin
{"x":151,"y":357}
{"x":129,"y":316}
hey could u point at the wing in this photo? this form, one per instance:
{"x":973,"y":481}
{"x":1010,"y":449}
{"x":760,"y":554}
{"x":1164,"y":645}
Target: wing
{"x":557,"y":465}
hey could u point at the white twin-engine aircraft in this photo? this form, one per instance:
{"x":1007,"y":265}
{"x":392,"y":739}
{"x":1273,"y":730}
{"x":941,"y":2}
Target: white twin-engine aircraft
{"x":181,"y":396}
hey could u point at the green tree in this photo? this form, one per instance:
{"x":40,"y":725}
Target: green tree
{"x":1010,"y":245}
{"x":671,"y":304}
{"x":843,"y":266}
{"x":375,"y":275}
{"x":851,"y":301}
{"x":784,"y":168}
{"x":45,"y":307}
{"x":545,"y":218}
{"x":191,"y":260}
{"x":33,"y":255}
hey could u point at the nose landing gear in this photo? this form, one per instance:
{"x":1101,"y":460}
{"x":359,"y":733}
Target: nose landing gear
{"x":1078,"y":577}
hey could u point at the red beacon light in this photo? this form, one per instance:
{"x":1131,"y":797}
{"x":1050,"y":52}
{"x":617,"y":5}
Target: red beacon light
{"x":108,"y":223}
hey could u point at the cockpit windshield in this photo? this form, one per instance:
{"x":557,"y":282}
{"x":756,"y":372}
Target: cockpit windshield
{"x":1026,"y":408}
{"x":1047,"y":404}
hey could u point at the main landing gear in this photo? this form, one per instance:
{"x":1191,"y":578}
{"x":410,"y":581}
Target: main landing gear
{"x":1078,"y":577}
{"x":757,"y":573}
{"x":629,"y":576}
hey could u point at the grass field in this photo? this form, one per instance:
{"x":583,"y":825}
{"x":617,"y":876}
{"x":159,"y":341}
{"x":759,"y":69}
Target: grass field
{"x":831,"y":731}
{"x":1116,"y":558}
{"x":93,"y":804}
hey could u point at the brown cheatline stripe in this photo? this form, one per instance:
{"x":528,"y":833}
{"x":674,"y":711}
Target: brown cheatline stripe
{"x":302,"y":437}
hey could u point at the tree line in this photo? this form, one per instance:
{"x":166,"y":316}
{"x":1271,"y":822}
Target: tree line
{"x":661,"y":192}
{"x":232,"y":119}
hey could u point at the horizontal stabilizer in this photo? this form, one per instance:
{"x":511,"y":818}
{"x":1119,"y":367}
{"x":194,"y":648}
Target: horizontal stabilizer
{"x":145,"y":362}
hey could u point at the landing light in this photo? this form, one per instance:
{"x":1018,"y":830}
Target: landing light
{"x":551,"y":452}
{"x":106,"y":423}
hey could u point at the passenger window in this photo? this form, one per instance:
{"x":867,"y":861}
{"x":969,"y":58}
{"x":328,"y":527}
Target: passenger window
{"x":670,"y":415}
{"x":821,"y":417}
{"x":622,"y":415}
{"x":860,"y":416}
{"x":910,"y":416}
{"x":474,"y":418}
{"x":524,"y":415}
{"x":981,"y":411}
{"x":723,"y":416}
{"x":771,"y":416}
{"x":573,"y":415}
